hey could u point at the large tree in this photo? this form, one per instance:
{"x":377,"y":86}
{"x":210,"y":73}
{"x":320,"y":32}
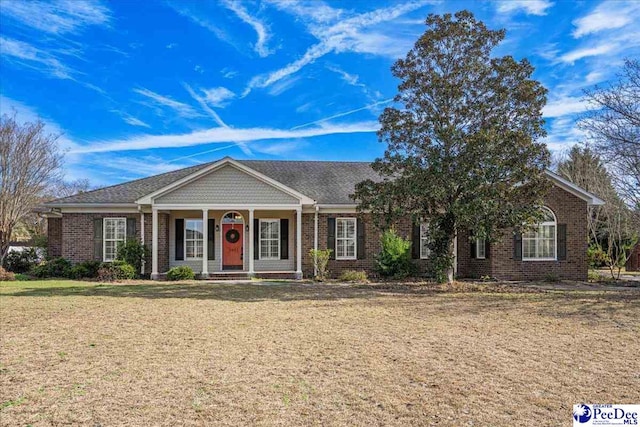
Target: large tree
{"x":613,"y":128}
{"x":30,"y":160}
{"x":462,"y":150}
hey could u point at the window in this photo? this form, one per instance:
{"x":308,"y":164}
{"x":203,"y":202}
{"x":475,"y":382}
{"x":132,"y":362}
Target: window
{"x":269,"y":239}
{"x":193,"y":238}
{"x":481,"y":248}
{"x":346,"y":238}
{"x":539,"y":243}
{"x":114,"y":231}
{"x":424,"y":241}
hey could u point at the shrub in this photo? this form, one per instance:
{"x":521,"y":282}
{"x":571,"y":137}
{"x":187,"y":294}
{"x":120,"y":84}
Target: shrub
{"x":6,"y":276}
{"x":133,"y":253}
{"x":320,"y":260}
{"x":56,"y":267}
{"x":183,"y":272}
{"x":394,"y":260}
{"x":85,"y":270}
{"x":597,"y":257}
{"x":116,"y":270}
{"x":354,"y":276}
{"x":21,"y":261}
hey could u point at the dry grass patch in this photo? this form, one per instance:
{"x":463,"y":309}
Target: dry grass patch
{"x":304,"y":354}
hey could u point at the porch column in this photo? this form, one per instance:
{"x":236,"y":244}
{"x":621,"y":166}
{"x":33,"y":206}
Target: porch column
{"x":299,"y":243}
{"x":154,"y":244}
{"x":142,"y":239}
{"x":205,"y":242}
{"x":251,"y":248}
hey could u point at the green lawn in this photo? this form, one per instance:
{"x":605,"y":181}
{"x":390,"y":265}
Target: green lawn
{"x":152,"y":353}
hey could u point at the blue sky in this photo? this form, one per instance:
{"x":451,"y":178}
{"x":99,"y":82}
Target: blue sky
{"x":139,"y":88}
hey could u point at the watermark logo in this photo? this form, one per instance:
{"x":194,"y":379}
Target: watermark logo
{"x":605,"y":415}
{"x":581,"y":413}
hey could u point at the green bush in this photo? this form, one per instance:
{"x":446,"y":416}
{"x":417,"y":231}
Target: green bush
{"x":133,"y":253}
{"x":354,"y":276}
{"x":21,"y":261}
{"x":320,"y":259}
{"x":56,"y":267}
{"x":394,"y":260}
{"x":597,"y":257}
{"x":116,"y":270}
{"x":6,"y":276}
{"x":183,"y":272}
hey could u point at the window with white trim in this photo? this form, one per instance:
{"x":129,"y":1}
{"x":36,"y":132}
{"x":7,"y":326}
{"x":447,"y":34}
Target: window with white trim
{"x":424,"y":241}
{"x":540,"y":242}
{"x":114,"y":231}
{"x":481,"y":248}
{"x":193,"y":236}
{"x":346,"y":238}
{"x":269,"y":239}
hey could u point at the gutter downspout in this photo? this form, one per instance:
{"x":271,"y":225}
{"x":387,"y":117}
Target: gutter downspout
{"x":315,"y":240}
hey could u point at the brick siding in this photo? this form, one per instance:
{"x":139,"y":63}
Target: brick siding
{"x":72,"y":237}
{"x":54,"y":237}
{"x":372,"y":244}
{"x":569,"y":210}
{"x":633,"y":263}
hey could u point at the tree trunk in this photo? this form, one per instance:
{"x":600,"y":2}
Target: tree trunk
{"x":452,"y":257}
{"x":4,"y":246}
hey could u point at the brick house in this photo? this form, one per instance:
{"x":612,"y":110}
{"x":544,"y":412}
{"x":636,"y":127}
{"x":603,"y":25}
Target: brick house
{"x":261,"y":218}
{"x":633,"y":263}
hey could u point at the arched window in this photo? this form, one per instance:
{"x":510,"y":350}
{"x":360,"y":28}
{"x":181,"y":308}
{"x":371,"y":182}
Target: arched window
{"x":540,"y":242}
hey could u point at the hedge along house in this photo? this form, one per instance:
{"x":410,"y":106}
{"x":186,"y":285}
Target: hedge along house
{"x":245,"y":218}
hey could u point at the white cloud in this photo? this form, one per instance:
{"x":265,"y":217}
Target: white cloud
{"x":198,"y":69}
{"x":607,"y":15}
{"x":203,"y":104}
{"x":530,"y":7}
{"x":344,"y":35}
{"x":182,"y":109}
{"x":218,"y":96}
{"x":346,"y":113}
{"x":58,"y":17}
{"x":258,"y":26}
{"x":200,"y":18}
{"x":283,"y":85}
{"x":171,"y":45}
{"x":565,"y":106}
{"x":31,"y":57}
{"x":228,"y":73}
{"x":222,"y":135}
{"x":580,"y":53}
{"x":351,"y":79}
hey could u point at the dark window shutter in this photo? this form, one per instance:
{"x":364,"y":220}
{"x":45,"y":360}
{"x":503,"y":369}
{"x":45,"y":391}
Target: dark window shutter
{"x":562,"y":242}
{"x":284,"y":238}
{"x":179,"y":232}
{"x":211,"y":239}
{"x":472,"y":246}
{"x":415,"y":241}
{"x":256,"y":238}
{"x":131,"y":228}
{"x":487,"y":247}
{"x":517,"y":246}
{"x":331,"y":236}
{"x":360,"y":233}
{"x":97,"y":239}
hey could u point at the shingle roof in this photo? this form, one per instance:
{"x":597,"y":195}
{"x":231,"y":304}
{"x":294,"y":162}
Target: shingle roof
{"x":325,"y":182}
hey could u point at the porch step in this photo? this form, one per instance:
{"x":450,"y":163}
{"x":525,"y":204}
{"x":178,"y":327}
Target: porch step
{"x":226,"y":276}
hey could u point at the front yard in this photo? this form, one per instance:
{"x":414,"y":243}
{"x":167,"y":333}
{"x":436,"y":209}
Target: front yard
{"x":299,"y":354}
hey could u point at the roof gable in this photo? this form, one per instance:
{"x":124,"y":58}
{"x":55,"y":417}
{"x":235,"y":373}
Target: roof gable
{"x":198,"y":185}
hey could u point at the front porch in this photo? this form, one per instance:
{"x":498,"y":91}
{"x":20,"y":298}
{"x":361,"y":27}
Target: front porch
{"x":228,"y":242}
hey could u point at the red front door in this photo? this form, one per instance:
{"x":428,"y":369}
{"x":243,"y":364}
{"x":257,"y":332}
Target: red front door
{"x":232,"y":238}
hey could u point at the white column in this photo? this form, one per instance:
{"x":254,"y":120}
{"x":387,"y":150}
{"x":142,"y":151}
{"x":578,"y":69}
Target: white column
{"x":299,"y":243}
{"x":315,"y":239}
{"x":142,"y":239}
{"x":205,"y":242}
{"x":154,"y":243}
{"x":251,"y":248}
